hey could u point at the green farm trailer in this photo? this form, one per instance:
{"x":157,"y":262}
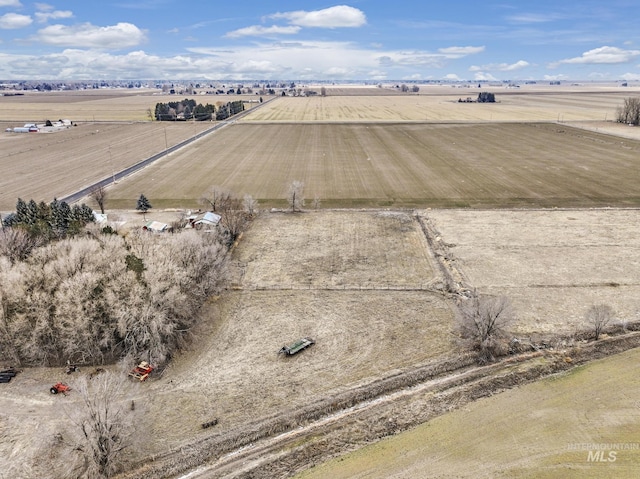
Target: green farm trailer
{"x":296,"y":347}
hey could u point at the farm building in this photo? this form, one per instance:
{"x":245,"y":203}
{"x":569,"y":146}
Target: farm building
{"x":156,"y":227}
{"x":206,"y":220}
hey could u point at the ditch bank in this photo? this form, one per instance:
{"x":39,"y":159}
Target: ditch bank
{"x":296,"y":440}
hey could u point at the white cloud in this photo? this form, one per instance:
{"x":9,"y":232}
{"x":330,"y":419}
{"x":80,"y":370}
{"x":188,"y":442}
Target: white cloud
{"x":257,"y":30}
{"x":484,"y":76}
{"x":458,"y":52}
{"x":630,"y":76}
{"x":304,"y":60}
{"x":333,"y":17}
{"x":86,"y":35}
{"x":10,"y":3}
{"x":10,"y":21}
{"x":535,"y":17}
{"x":452,"y":77}
{"x":556,"y":77}
{"x":503,"y":67}
{"x":602,"y":55}
{"x":45,"y":16}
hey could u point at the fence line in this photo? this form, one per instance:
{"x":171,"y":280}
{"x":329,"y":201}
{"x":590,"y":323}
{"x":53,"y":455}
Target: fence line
{"x":332,"y":287}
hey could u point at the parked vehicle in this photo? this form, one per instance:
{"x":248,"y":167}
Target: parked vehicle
{"x":59,"y":388}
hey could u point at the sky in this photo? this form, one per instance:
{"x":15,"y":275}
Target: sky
{"x":372,"y":40}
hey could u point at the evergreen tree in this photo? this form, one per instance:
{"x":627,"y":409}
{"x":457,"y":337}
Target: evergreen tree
{"x":21,"y":211}
{"x":143,"y":205}
{"x":486,"y":97}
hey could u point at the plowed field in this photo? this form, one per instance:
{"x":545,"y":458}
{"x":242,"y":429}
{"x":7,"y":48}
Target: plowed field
{"x":42,"y":166}
{"x":444,"y":107}
{"x":347,"y":165}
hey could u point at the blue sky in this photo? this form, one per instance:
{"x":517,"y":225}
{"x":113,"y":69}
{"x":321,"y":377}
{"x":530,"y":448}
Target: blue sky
{"x":293,"y":40}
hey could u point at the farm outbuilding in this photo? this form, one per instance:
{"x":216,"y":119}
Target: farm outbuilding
{"x":155,"y":227}
{"x":206,"y":220}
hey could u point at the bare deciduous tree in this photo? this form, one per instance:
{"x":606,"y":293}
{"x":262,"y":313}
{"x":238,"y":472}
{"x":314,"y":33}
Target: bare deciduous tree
{"x":99,"y":195}
{"x":482,"y":322}
{"x":234,"y":221}
{"x":295,"y":195}
{"x":103,"y":425}
{"x":97,"y":298}
{"x":598,"y":317}
{"x":629,"y":112}
{"x":16,"y":244}
{"x":250,"y":205}
{"x":215,"y":198}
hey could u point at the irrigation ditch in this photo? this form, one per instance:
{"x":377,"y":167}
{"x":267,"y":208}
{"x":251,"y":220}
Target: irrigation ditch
{"x":292,"y":441}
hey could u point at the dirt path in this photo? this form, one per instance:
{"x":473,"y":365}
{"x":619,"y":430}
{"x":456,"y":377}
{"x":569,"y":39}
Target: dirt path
{"x":367,"y":420}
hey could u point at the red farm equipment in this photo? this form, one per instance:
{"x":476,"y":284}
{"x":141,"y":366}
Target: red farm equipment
{"x":59,"y":388}
{"x":141,"y":371}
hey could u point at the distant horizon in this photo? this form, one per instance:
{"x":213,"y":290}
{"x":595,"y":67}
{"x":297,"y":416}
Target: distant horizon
{"x":458,"y":40}
{"x":344,"y":81}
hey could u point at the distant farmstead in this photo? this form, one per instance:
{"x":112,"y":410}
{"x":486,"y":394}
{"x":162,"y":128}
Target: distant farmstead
{"x":46,"y":127}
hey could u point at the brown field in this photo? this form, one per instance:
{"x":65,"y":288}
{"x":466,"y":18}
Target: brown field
{"x":95,"y":105}
{"x":553,"y":265}
{"x":232,"y":370}
{"x":339,"y":251}
{"x":47,"y":165}
{"x":399,"y":165}
{"x":510,"y":106}
{"x":363,"y":283}
{"x":407,"y":163}
{"x":530,"y":432}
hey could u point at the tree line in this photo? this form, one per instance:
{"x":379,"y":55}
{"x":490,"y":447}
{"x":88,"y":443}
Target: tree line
{"x":188,"y":109}
{"x":183,"y":110}
{"x":45,"y":222}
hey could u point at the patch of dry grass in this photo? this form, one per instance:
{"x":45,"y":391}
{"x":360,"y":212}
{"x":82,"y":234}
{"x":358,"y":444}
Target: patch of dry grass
{"x":521,"y":433}
{"x":553,"y":264}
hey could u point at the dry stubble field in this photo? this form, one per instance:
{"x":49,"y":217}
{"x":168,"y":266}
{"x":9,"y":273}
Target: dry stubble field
{"x":42,"y":166}
{"x":540,"y":431}
{"x":406,"y":165}
{"x":441,"y":105}
{"x":332,"y":275}
{"x":528,"y":164}
{"x":95,"y":105}
{"x":357,"y":302}
{"x":553,"y":265}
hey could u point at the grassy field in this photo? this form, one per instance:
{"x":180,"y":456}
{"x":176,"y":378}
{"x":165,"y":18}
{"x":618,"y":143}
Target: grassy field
{"x":553,"y":265}
{"x":406,"y":165}
{"x":542,"y":430}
